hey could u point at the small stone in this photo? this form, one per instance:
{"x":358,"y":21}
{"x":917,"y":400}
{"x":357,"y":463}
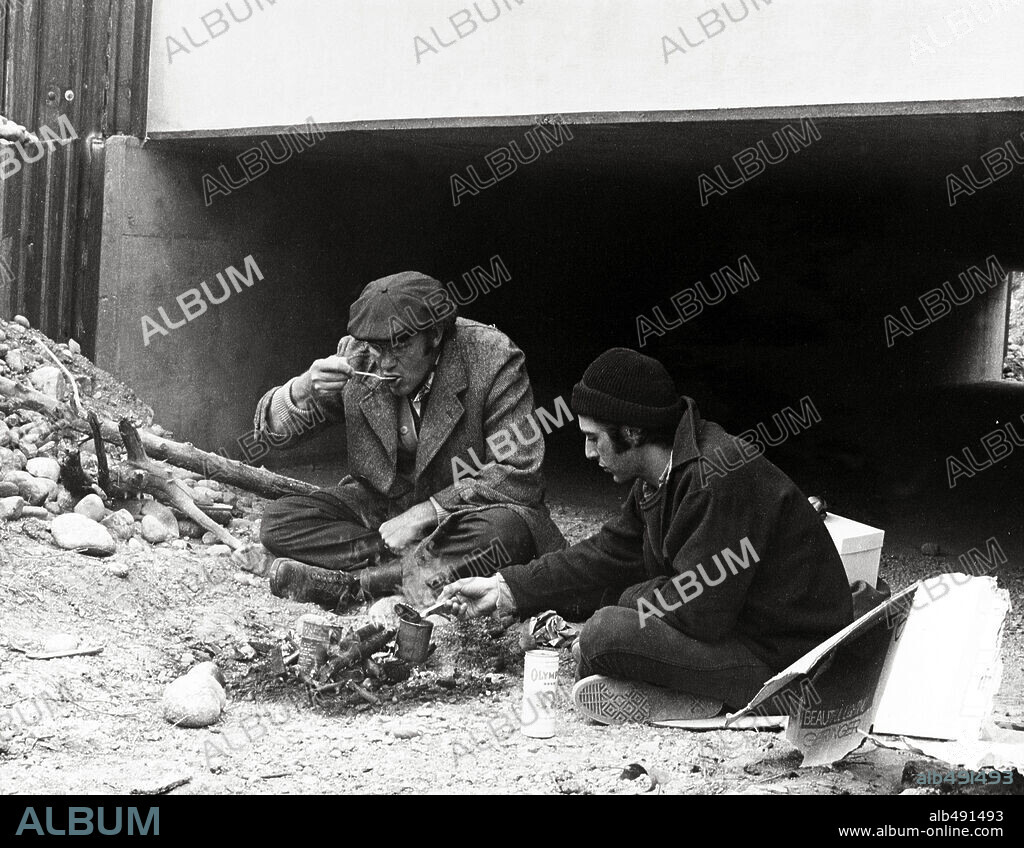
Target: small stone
{"x":187,"y":658}
{"x":60,"y":642}
{"x":36,"y":512}
{"x":178,"y":544}
{"x":189,"y":529}
{"x":74,"y":347}
{"x":91,"y":506}
{"x":15,"y":361}
{"x":36,"y":491}
{"x":116,"y":569}
{"x":11,"y":460}
{"x":213,"y":485}
{"x":74,"y":532}
{"x":136,"y":544}
{"x":52,"y":508}
{"x":17,"y":476}
{"x":202,"y":495}
{"x":154,"y":530}
{"x":8,"y":489}
{"x":120,"y":524}
{"x":65,"y":500}
{"x":219,"y":550}
{"x":23,"y":321}
{"x":194,"y":700}
{"x":164,"y":515}
{"x":209,"y":538}
{"x":401,"y":730}
{"x":931,"y":549}
{"x":253,"y":558}
{"x":44,"y":467}
{"x":29,"y":449}
{"x":49,"y":380}
{"x":382,"y":611}
{"x":11,"y":507}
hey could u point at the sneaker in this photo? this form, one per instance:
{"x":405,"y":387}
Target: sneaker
{"x":608,"y":700}
{"x":298,"y":581}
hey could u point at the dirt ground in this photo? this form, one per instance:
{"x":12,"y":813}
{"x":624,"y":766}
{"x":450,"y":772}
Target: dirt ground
{"x":92,"y":724}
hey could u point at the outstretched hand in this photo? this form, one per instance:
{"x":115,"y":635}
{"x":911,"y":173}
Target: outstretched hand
{"x":472,"y":597}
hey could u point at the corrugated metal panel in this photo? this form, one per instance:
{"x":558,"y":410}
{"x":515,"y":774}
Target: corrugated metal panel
{"x":85,"y":60}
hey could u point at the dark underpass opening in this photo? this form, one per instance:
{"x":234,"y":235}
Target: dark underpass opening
{"x":774,"y":293}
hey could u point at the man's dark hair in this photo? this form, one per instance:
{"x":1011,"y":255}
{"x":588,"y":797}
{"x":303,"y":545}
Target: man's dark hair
{"x":648,"y":436}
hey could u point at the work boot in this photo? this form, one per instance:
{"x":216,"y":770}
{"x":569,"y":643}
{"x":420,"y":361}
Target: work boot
{"x":331,"y":590}
{"x":378,"y":581}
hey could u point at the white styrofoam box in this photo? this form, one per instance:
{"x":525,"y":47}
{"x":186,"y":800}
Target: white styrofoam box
{"x":859,"y":546}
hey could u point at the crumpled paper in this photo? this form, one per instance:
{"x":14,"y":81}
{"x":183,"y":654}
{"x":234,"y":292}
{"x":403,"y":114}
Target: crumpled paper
{"x":548,"y":630}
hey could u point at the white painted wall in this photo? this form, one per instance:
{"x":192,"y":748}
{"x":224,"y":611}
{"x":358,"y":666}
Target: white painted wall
{"x":356,"y":60}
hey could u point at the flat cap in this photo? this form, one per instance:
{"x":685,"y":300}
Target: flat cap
{"x":398,"y":305}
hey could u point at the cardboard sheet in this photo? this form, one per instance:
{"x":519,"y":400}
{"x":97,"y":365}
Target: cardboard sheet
{"x":923,"y":664}
{"x":999,"y":749}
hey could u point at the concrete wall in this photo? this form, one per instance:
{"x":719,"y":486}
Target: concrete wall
{"x":263,"y":63}
{"x":317,"y":234}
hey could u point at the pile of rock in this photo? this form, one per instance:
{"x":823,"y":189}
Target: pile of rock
{"x":1013,"y":365}
{"x":33,"y":448}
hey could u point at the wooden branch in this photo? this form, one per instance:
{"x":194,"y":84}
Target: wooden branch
{"x":216,"y":467}
{"x":70,"y":378}
{"x":103,"y":475}
{"x":76,"y":652}
{"x":182,"y":454}
{"x":140,"y":473}
{"x":36,"y":401}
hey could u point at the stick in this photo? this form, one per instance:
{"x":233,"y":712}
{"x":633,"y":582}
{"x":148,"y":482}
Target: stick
{"x":366,"y":695}
{"x":181,"y":454}
{"x":79,"y":652}
{"x":71,"y":380}
{"x":103,"y":476}
{"x":140,"y":473}
{"x":162,"y":790}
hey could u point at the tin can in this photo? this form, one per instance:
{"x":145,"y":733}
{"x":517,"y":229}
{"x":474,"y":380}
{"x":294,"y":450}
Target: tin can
{"x":414,"y":640}
{"x":540,"y":688}
{"x":316,"y":637}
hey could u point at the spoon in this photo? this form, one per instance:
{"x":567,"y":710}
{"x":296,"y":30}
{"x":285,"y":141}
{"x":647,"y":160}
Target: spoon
{"x":375,"y":376}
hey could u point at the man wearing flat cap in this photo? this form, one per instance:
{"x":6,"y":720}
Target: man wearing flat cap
{"x":418,"y":390}
{"x":706,"y":584}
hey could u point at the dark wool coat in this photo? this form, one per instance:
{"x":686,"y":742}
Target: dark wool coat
{"x":781,"y":603}
{"x":480,"y":391}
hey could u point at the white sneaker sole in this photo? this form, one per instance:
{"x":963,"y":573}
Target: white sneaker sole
{"x":610,"y":701}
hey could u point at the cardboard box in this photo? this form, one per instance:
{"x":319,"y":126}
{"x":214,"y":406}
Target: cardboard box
{"x":859,"y":545}
{"x":919,"y":672}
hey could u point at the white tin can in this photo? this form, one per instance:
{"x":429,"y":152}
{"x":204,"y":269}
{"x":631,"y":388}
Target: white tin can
{"x":540,"y":690}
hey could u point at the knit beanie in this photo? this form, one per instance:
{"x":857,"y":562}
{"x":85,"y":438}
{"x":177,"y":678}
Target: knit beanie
{"x":622,"y":386}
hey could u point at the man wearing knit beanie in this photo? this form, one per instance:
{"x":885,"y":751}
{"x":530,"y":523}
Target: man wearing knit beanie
{"x":705,"y":585}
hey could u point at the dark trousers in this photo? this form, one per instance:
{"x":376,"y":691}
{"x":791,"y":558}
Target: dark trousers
{"x":333,"y":529}
{"x":613,"y":643}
